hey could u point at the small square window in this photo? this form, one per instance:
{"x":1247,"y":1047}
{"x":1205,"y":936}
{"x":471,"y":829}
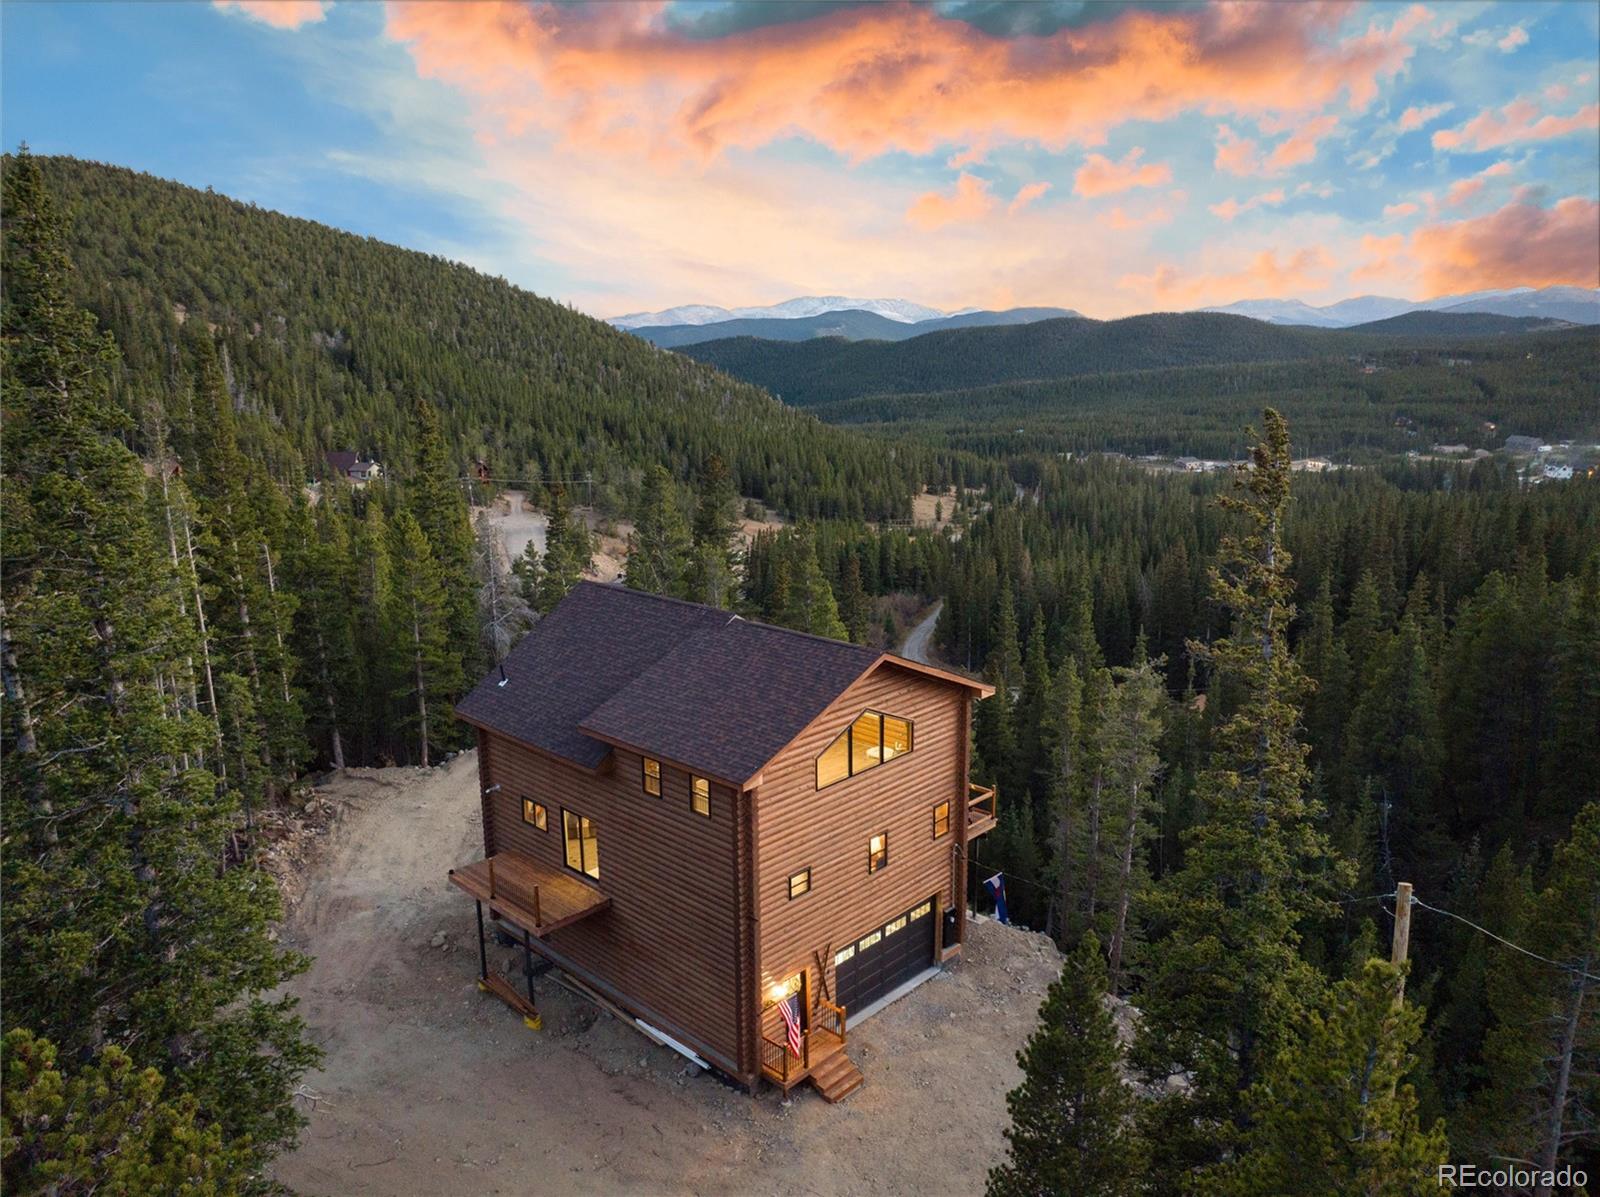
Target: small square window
{"x":533,"y":813}
{"x":700,"y":796}
{"x":652,"y":777}
{"x":877,"y":852}
{"x":941,"y":820}
{"x":800,"y":883}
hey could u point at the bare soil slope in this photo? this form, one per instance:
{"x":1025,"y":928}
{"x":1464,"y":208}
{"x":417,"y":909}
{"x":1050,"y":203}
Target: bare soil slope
{"x":431,"y":1087}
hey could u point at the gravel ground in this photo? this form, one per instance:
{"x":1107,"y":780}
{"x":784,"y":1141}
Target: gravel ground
{"x":430,"y":1087}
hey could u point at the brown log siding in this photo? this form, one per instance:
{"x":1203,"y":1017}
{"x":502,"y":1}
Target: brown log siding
{"x":827,"y":830}
{"x":670,"y":942}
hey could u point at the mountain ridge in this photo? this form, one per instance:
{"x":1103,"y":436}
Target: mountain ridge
{"x":851,"y":324}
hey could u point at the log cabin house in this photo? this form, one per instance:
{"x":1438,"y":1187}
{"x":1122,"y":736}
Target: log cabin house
{"x":697,"y":818}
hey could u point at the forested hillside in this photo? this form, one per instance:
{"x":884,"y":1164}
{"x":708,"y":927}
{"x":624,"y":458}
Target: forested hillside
{"x":328,"y":340}
{"x":851,"y":324}
{"x":1188,"y":383}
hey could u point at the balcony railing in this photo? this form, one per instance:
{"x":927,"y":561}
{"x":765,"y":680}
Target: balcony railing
{"x":981,"y":810}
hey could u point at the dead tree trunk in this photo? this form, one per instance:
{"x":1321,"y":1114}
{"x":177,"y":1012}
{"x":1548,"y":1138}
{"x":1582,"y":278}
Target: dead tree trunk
{"x":1124,"y":888}
{"x":422,"y":689}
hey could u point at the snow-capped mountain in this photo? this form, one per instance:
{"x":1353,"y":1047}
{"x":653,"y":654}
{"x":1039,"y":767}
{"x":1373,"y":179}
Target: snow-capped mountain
{"x":1580,"y":305}
{"x":901,"y":310}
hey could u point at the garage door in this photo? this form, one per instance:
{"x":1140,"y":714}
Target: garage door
{"x":885,"y":957}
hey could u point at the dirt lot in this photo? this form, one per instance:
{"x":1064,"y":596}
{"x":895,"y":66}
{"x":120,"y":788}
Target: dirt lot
{"x":431,"y":1087}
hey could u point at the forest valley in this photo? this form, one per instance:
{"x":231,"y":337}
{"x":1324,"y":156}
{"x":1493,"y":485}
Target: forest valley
{"x":1229,"y":718}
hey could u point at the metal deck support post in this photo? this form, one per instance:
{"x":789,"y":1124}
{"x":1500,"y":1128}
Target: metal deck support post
{"x":527,"y":967}
{"x":483,"y":953}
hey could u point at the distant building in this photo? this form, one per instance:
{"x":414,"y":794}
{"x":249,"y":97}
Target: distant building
{"x":1522,"y":444}
{"x":1193,"y":464}
{"x":352,"y":466}
{"x":1458,"y":450}
{"x":1558,"y":472}
{"x":1311,"y":465}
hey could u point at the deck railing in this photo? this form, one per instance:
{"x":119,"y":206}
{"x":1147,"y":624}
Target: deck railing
{"x":981,"y":803}
{"x":512,"y":892}
{"x":830,"y":1017}
{"x":778,"y":1062}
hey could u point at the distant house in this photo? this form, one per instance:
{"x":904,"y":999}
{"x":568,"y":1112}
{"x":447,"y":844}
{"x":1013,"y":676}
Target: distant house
{"x":1454,"y":450}
{"x":1522,"y":444}
{"x":352,"y":466}
{"x":1558,"y":472}
{"x":1192,"y":464}
{"x":480,"y":469}
{"x":744,"y":837}
{"x":1311,"y":465}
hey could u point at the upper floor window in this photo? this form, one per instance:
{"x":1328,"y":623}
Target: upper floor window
{"x":582,"y":837}
{"x":941,"y":820}
{"x":700,"y":796}
{"x":867,"y":743}
{"x":533,"y":813}
{"x":877,"y":852}
{"x":800,"y":883}
{"x":652,"y":777}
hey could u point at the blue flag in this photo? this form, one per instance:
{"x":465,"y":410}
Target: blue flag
{"x":996,"y":886}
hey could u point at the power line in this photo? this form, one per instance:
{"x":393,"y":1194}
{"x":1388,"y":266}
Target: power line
{"x":1516,"y":947}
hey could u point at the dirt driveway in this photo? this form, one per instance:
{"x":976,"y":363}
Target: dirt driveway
{"x":430,"y":1087}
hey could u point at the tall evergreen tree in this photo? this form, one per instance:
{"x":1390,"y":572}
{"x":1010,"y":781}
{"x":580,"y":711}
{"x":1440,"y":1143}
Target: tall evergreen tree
{"x":658,"y":549}
{"x":811,"y":607}
{"x":427,"y":666}
{"x":1332,"y":1114}
{"x":568,"y":551}
{"x":439,"y":502}
{"x":713,"y":568}
{"x":1072,"y":1127}
{"x":1228,"y":978}
{"x":855,"y":609}
{"x":119,"y":927}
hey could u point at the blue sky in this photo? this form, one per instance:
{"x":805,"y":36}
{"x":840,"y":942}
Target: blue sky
{"x":1110,"y":158}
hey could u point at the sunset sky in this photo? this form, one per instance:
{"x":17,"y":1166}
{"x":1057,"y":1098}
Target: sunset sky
{"x":1112,"y":157}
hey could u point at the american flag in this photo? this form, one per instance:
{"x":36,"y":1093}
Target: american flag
{"x":790,"y":1009}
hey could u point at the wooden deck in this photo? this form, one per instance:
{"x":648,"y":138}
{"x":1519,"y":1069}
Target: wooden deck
{"x":534,"y":896}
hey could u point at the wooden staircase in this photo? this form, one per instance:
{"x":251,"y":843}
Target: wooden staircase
{"x":836,"y":1077}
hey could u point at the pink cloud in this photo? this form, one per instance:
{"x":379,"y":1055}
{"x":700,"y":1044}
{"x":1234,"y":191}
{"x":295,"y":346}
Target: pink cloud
{"x":1230,"y":207}
{"x":1515,"y":36}
{"x":1461,"y":191}
{"x":1521,"y":244}
{"x":1396,"y":211}
{"x":1520,"y":120}
{"x":970,"y":201}
{"x":1099,"y":175}
{"x":868,"y":80}
{"x":1236,"y":155}
{"x":1300,"y":146}
{"x":1122,"y":220}
{"x":1415,"y":117}
{"x":1265,"y":276}
{"x":1025,"y":196}
{"x":280,"y":14}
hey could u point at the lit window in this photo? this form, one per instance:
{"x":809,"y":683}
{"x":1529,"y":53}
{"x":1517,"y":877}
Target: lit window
{"x":652,"y":777}
{"x":870,"y":941}
{"x":867,"y":743}
{"x":941,"y":820}
{"x":582,"y":837}
{"x":877,"y":852}
{"x":700,"y":796}
{"x":800,"y":883}
{"x":844,"y":954}
{"x":922,"y":911}
{"x":895,"y":927}
{"x":533,"y":814}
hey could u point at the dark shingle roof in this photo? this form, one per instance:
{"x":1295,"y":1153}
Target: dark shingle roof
{"x":727,"y":701}
{"x":595,"y":643}
{"x":691,"y":684}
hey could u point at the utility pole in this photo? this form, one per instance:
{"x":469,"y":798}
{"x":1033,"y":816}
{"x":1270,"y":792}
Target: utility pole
{"x":1402,"y":933}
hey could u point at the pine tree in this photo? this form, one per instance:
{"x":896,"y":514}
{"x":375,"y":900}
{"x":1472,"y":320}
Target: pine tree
{"x":119,"y":927}
{"x":1072,"y":1127}
{"x":855,"y":609}
{"x":1332,"y":1114}
{"x":1543,"y":1050}
{"x":713,"y":567}
{"x":427,"y":664}
{"x":325,"y":634}
{"x":1228,"y":978}
{"x":658,"y":549}
{"x":374,"y":592}
{"x":568,"y":551}
{"x":106,"y":1128}
{"x":1128,"y":736}
{"x":812,"y":607}
{"x":439,"y":503}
